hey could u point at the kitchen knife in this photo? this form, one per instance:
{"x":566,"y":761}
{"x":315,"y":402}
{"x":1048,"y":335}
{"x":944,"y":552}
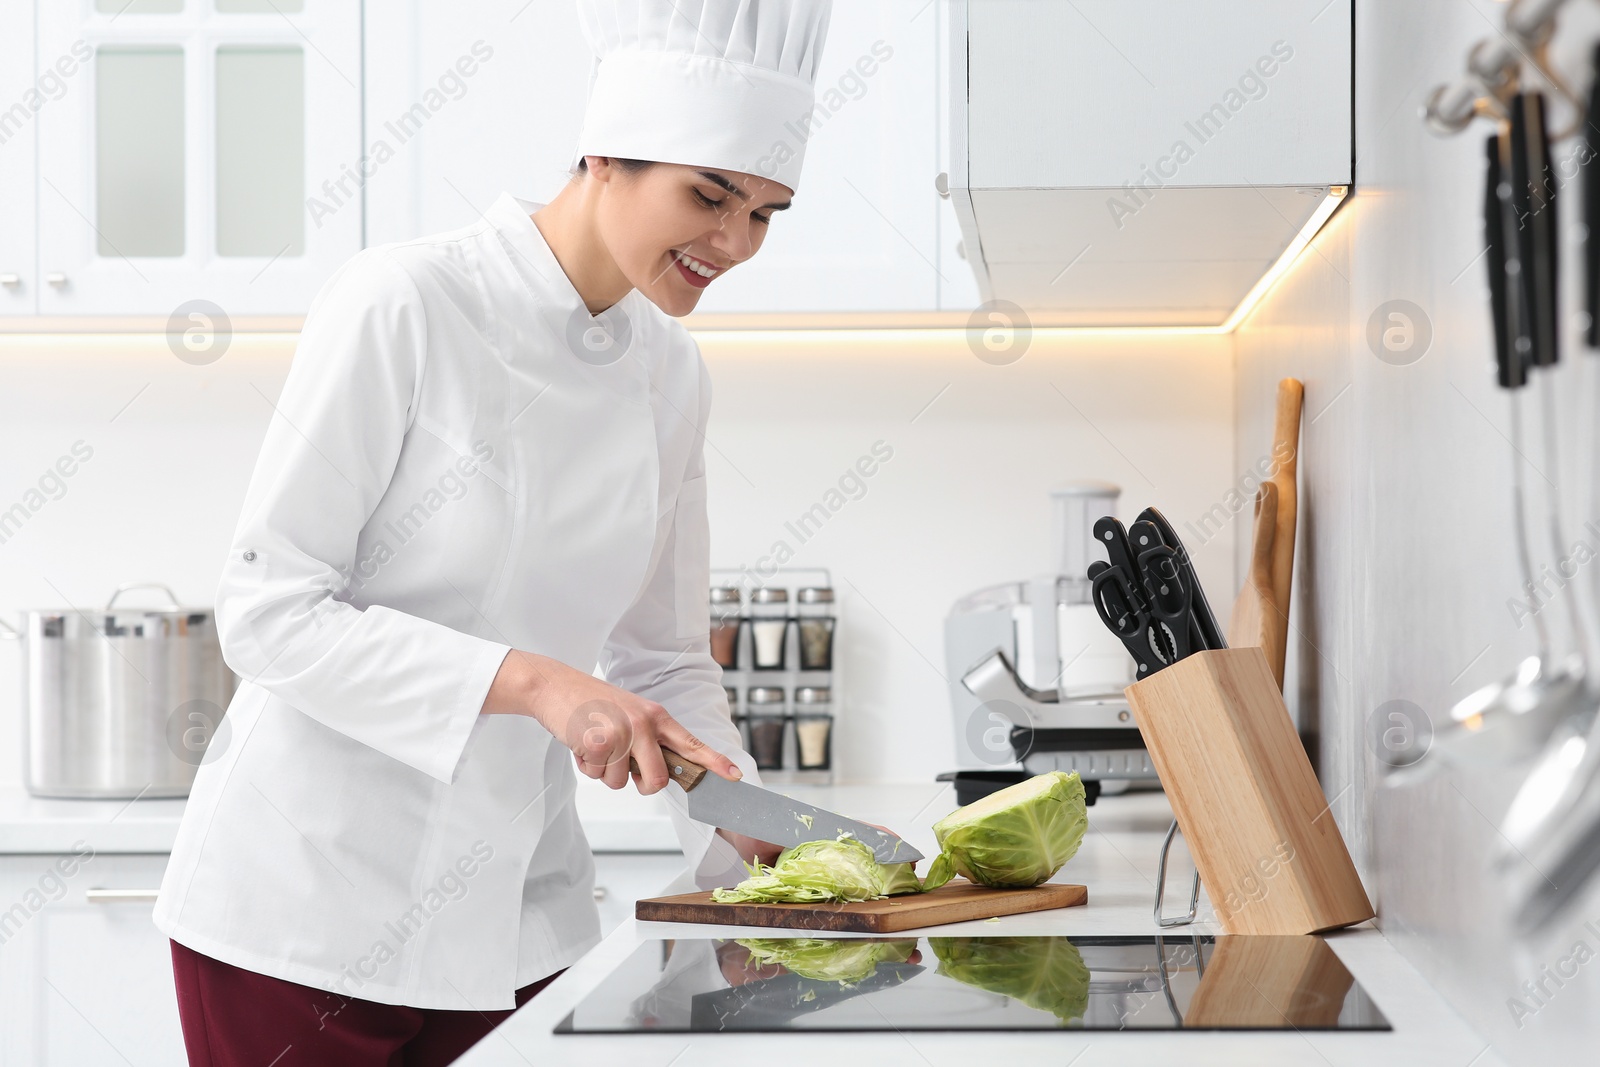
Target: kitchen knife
{"x":767,"y":816}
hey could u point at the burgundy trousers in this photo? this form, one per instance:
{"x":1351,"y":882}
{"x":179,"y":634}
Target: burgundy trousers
{"x":238,"y":1018}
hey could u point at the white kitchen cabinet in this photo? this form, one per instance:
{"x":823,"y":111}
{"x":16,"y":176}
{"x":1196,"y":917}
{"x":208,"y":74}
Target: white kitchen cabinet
{"x":87,"y":978}
{"x":621,"y":878}
{"x":204,"y":150}
{"x":81,"y":981}
{"x":510,"y":83}
{"x":1144,"y":164}
{"x":863,"y":232}
{"x":22,"y":97}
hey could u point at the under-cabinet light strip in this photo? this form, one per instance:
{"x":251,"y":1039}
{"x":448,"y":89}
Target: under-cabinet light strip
{"x":1319,"y":218}
{"x":755,"y":326}
{"x":759,"y":326}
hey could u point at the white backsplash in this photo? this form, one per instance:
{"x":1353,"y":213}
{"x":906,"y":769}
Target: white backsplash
{"x":962,"y":501}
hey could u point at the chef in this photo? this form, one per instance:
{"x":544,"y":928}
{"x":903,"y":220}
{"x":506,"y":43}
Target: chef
{"x":484,"y":478}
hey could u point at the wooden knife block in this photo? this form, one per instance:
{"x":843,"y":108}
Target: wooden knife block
{"x":1260,"y":830}
{"x":1260,"y":983}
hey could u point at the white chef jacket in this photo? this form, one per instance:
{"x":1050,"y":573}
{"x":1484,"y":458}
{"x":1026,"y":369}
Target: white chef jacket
{"x":451,"y":472}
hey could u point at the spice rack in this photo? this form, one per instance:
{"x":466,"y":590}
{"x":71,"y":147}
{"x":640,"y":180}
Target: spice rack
{"x":776,"y":642}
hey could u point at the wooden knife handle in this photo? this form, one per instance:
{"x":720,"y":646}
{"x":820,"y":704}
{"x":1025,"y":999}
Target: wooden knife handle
{"x":686,"y":772}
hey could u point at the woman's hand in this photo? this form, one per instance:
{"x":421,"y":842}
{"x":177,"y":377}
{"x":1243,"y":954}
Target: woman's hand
{"x":604,"y":726}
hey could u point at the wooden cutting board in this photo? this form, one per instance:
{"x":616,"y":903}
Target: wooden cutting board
{"x":958,"y":901}
{"x":1256,"y":620}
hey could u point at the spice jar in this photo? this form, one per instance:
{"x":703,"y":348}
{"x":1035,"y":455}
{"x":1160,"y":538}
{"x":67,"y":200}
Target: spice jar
{"x":813,"y":727}
{"x":769,"y":629}
{"x":725,"y":606}
{"x":816,"y":628}
{"x":768,"y":723}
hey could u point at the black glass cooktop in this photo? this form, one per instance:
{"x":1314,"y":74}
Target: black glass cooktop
{"x":702,"y":985}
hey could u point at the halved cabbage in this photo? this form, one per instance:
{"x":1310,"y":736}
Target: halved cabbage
{"x":1016,"y":837}
{"x":1047,"y":973}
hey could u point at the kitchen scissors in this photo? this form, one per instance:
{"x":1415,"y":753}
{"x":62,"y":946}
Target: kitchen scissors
{"x":1141,"y":596}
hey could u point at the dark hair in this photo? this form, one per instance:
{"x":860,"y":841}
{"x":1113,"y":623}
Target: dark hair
{"x":627,"y":166}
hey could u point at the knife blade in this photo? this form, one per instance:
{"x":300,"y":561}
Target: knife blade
{"x":767,"y":816}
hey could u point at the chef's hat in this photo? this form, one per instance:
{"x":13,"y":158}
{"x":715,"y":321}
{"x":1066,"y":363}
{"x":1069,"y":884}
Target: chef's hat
{"x":725,"y":84}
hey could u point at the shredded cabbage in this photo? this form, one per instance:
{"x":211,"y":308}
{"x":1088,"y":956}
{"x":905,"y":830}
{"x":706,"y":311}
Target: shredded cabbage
{"x":817,"y":871}
{"x":846,"y":961}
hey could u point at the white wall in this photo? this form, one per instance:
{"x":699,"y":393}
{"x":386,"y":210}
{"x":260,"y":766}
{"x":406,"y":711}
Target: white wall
{"x":1407,"y":566}
{"x":962,"y":503}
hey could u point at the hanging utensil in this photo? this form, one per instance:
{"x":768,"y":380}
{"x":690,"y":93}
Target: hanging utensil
{"x":1511,"y":719}
{"x":1551,"y":831}
{"x":1533,"y":191}
{"x":1591,"y":218}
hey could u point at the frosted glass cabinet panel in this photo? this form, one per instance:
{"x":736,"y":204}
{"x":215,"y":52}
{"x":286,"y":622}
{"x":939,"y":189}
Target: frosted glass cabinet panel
{"x":179,"y":163}
{"x":261,"y":7}
{"x":139,"y":151}
{"x":18,"y":178}
{"x":261,"y":151}
{"x":139,"y":7}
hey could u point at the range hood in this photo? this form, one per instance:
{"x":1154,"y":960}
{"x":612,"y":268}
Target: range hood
{"x":1151,"y":164}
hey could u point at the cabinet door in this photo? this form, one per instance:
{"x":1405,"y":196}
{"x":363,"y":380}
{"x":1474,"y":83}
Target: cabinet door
{"x":621,"y":878}
{"x":862,"y":235}
{"x":22,"y":96}
{"x":209,"y":150}
{"x":495,"y":96}
{"x":85,"y":981}
{"x":863,"y":232}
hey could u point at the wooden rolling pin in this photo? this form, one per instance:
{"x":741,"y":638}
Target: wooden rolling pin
{"x":1286,"y":452}
{"x":1256,"y":619}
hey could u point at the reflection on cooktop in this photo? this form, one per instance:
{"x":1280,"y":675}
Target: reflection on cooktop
{"x":701,"y":985}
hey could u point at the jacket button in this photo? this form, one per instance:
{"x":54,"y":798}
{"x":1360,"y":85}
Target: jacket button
{"x":250,"y":555}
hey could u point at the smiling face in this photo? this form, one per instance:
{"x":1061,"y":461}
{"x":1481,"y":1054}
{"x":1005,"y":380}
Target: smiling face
{"x":673,"y":230}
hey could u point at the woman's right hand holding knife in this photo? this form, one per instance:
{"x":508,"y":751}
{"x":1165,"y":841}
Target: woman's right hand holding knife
{"x":603,"y":725}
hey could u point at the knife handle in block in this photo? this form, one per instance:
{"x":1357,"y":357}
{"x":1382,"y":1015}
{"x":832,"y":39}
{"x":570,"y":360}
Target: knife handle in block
{"x":686,"y":772}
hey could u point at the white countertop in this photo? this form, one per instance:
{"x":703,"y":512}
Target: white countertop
{"x":1117,"y":862}
{"x":613,"y":820}
{"x":42,"y":824}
